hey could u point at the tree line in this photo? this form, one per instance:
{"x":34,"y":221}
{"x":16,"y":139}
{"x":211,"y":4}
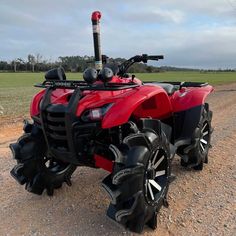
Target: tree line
{"x":36,"y":63}
{"x":33,"y":63}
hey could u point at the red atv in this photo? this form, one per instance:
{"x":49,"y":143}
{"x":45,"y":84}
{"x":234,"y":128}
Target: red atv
{"x":115,"y":122}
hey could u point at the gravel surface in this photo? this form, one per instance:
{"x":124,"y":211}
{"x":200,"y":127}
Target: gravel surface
{"x":201,"y":203}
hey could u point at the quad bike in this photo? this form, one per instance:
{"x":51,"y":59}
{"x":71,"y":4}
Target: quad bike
{"x":127,"y":127}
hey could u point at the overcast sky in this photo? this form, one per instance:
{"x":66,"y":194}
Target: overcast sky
{"x":189,"y":33}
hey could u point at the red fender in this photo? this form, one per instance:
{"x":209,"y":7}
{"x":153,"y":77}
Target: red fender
{"x":34,"y":106}
{"x":187,"y":98}
{"x":59,"y":96}
{"x":141,"y":102}
{"x":144,"y":101}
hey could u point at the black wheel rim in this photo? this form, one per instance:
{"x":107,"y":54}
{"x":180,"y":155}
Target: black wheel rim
{"x":204,"y":137}
{"x":156,"y":176}
{"x":54,"y":167}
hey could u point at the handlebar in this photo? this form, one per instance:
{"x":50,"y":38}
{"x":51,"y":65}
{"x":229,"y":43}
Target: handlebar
{"x":136,"y":59}
{"x":156,"y":57}
{"x":144,"y":58}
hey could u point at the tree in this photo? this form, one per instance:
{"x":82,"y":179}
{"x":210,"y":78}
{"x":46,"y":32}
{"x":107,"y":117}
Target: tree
{"x":38,"y":60}
{"x":32,"y":61}
{"x":14,"y":65}
{"x":4,"y":66}
{"x":22,"y":65}
{"x":17,"y":63}
{"x":149,"y":69}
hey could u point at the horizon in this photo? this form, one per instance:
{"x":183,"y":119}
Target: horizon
{"x":155,"y":64}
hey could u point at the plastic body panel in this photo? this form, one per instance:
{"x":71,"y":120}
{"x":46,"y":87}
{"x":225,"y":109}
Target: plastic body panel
{"x":34,"y":106}
{"x":141,"y":102}
{"x":183,"y":109}
{"x":125,"y":103}
{"x":187,"y":98}
{"x":59,"y":96}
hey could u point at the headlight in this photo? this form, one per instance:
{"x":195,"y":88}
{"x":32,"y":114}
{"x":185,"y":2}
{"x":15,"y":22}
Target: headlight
{"x":96,"y":114}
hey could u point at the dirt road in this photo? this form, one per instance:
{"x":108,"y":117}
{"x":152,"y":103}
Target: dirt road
{"x":201,"y":203}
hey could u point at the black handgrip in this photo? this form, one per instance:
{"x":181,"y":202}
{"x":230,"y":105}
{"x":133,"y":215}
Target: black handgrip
{"x":156,"y":57}
{"x":144,"y":58}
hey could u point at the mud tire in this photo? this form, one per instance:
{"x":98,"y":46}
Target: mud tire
{"x":31,"y":169}
{"x":198,"y":154}
{"x":132,"y":204}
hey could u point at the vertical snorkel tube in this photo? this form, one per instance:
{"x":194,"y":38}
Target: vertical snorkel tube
{"x":96,"y":16}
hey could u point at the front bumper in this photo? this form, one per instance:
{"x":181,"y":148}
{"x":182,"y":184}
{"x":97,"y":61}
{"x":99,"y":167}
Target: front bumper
{"x":68,"y":138}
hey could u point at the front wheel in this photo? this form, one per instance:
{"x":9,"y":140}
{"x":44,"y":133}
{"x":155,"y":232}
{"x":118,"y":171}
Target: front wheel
{"x":139,"y":183}
{"x":35,"y":168}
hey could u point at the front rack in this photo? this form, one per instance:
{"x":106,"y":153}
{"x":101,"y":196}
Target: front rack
{"x":73,"y":84}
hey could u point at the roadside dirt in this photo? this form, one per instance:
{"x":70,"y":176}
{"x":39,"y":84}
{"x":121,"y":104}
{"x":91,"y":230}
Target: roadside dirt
{"x":201,"y":203}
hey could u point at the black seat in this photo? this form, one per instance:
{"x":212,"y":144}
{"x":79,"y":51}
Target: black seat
{"x":169,"y":88}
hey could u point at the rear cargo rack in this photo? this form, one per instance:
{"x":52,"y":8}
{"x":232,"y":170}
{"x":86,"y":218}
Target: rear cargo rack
{"x":73,"y":84}
{"x":182,"y":84}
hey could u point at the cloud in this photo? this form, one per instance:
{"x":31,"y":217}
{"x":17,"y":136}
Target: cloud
{"x":205,"y":48}
{"x":189,"y":33}
{"x":154,"y":16}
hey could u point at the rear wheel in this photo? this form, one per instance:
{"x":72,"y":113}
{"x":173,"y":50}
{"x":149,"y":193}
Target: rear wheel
{"x":198,"y":153}
{"x":139,"y":183}
{"x":35,"y":168}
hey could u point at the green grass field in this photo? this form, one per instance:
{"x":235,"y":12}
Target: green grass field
{"x":16,"y":89}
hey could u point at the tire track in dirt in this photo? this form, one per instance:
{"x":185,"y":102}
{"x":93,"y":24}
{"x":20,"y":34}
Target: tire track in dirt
{"x":201,"y":203}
